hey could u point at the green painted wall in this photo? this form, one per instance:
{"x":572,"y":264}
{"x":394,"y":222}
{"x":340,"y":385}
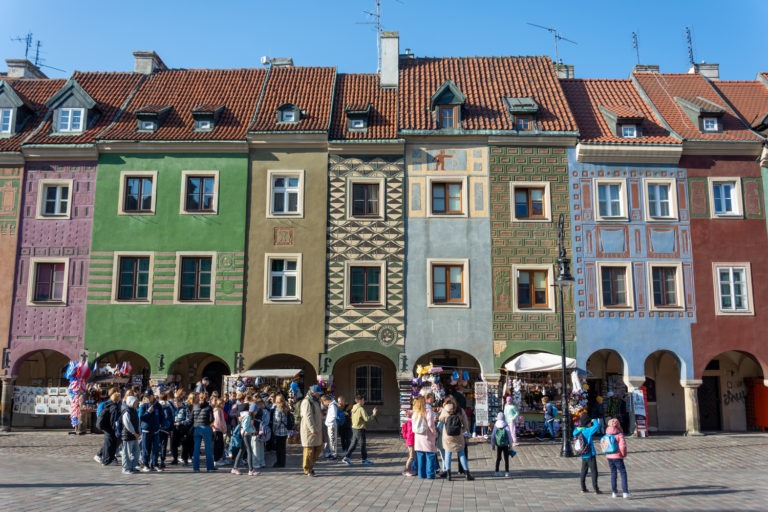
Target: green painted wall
{"x":163,"y":326}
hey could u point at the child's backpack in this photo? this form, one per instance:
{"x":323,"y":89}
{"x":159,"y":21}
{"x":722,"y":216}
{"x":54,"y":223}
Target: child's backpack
{"x":453,"y":425}
{"x":236,"y":441}
{"x":419,"y":424}
{"x":579,"y":444}
{"x":609,"y":444}
{"x":246,"y":425}
{"x":502,"y":438}
{"x":553,"y":410}
{"x":340,"y":416}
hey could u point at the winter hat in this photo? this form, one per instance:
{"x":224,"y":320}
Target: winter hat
{"x":509,"y":399}
{"x":131,"y":401}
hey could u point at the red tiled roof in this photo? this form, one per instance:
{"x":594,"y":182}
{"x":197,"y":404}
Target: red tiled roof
{"x":355,"y":92}
{"x":662,"y":90}
{"x":188,"y":89}
{"x":484,"y":81}
{"x":110,"y":92}
{"x":620,"y":96}
{"x":151,"y":109}
{"x":748,"y":99}
{"x":34,"y":92}
{"x":309,"y":88}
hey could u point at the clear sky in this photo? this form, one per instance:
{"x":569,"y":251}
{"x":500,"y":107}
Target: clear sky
{"x":90,"y":35}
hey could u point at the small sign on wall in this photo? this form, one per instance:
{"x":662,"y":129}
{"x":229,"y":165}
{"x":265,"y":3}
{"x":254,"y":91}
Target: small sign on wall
{"x":283,"y":236}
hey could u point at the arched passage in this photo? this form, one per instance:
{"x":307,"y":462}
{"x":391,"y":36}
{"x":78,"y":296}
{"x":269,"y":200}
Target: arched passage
{"x":139,"y":365}
{"x":606,"y":369}
{"x":664,"y":393}
{"x":308,"y":375}
{"x":36,"y":372}
{"x":188,"y":369}
{"x":375,"y":377}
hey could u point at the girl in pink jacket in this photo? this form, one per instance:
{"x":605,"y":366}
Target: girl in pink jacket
{"x":406,"y":431}
{"x":616,"y":459}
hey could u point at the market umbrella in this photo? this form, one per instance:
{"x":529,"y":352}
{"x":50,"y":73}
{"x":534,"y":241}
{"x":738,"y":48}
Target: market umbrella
{"x":538,"y":362}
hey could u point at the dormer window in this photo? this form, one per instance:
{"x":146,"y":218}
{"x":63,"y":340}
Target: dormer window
{"x":446,"y":103}
{"x":70,"y":120}
{"x":289,"y":113}
{"x":448,"y":116}
{"x":203,"y":125}
{"x":6,"y":120}
{"x":710,"y":124}
{"x":523,"y":113}
{"x":705,"y":114}
{"x":288,"y":116}
{"x":629,"y":131}
{"x":624,"y":121}
{"x":523,"y":123}
{"x":206,"y":116}
{"x":147,"y":126}
{"x":150,"y":117}
{"x":357,"y":124}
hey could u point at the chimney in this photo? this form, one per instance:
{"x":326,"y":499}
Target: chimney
{"x":565,"y":71}
{"x":22,"y":68}
{"x":147,"y":62}
{"x":282,"y":62}
{"x":645,"y":68}
{"x":390,"y":56}
{"x":711,"y":71}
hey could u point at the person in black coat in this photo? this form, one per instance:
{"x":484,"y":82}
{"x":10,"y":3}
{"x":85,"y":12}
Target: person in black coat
{"x":107,"y":422}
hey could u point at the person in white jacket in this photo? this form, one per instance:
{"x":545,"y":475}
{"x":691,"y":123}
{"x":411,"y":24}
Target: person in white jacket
{"x":331,"y":426}
{"x":510,"y":416}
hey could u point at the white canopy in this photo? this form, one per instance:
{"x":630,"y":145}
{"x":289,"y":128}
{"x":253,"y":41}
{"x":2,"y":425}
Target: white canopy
{"x":538,"y":362}
{"x":280,"y":373}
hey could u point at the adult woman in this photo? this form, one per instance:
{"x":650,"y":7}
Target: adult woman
{"x":454,"y":427}
{"x":219,"y":428}
{"x":247,"y":432}
{"x":181,"y":423}
{"x":280,"y":433}
{"x":202,"y":417}
{"x":424,"y":441}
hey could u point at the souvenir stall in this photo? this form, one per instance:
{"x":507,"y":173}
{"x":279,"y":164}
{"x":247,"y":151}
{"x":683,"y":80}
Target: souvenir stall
{"x":291,"y":379}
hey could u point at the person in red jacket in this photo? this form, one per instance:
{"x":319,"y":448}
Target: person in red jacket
{"x":616,"y":460}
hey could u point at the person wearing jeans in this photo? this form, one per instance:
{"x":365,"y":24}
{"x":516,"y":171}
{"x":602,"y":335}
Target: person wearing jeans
{"x":359,"y":420}
{"x":616,"y":459}
{"x":202,"y":417}
{"x":424,"y":442}
{"x":331,"y":425}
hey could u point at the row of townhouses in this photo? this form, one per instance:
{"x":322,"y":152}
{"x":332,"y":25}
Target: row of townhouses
{"x":355,"y":226}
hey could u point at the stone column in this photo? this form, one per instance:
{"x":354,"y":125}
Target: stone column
{"x":633,"y":383}
{"x":692,"y":421}
{"x":6,"y":397}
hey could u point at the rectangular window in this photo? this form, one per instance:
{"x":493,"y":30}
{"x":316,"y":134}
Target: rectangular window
{"x":133,"y":278}
{"x":523,"y":123}
{"x":283,"y":279}
{"x":285,"y":194}
{"x":288,"y":116}
{"x":615,"y":286}
{"x":203,"y":125}
{"x":138,"y":194}
{"x":365,"y":286}
{"x":196,"y":279}
{"x":726,"y":197}
{"x":532,"y":289}
{"x":365,"y":200}
{"x":70,"y":120}
{"x":200,"y":194}
{"x":710,"y":124}
{"x":447,"y":283}
{"x":55,"y":200}
{"x":529,"y":203}
{"x":609,"y":199}
{"x":6,"y":117}
{"x":50,"y":282}
{"x":665,"y":293}
{"x":447,"y":116}
{"x":629,"y":131}
{"x":368,"y":383}
{"x":659,"y":200}
{"x":446,"y":199}
{"x":147,"y":126}
{"x":733,"y":290}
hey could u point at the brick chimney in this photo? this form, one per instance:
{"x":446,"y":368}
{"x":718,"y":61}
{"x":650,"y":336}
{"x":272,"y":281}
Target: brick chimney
{"x":22,"y":68}
{"x":147,"y":62}
{"x":711,"y":71}
{"x":390,"y":56}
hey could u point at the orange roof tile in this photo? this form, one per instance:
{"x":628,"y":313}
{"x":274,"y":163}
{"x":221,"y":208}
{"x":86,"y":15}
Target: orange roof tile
{"x":110,"y":91}
{"x":309,"y":88}
{"x":34,"y":92}
{"x":484,"y":81}
{"x":620,"y":96}
{"x":662,"y":89}
{"x":193,"y":89}
{"x":748,"y":99}
{"x":356,"y":92}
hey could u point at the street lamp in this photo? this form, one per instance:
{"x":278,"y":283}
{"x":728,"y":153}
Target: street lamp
{"x":564,"y":280}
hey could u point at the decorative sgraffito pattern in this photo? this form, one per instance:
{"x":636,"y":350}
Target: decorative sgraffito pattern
{"x":351,"y":239}
{"x":10,"y":179}
{"x":525,"y":243}
{"x":753,"y":199}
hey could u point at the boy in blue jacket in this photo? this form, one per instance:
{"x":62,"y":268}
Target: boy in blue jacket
{"x":588,"y":460}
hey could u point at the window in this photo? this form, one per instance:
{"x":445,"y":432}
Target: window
{"x":447,"y":197}
{"x":147,"y":126}
{"x":629,"y":131}
{"x":660,"y":199}
{"x":366,"y":199}
{"x":133,"y":278}
{"x":532,"y":289}
{"x":48,"y":281}
{"x":200,"y":192}
{"x":286,"y":193}
{"x":531,"y":201}
{"x":287,"y":116}
{"x":611,"y":199}
{"x":733,"y":285}
{"x":710,"y":124}
{"x":366,"y":284}
{"x":368,"y":383}
{"x":523,"y":123}
{"x":357,"y":124}
{"x":137,"y":192}
{"x":666,"y":286}
{"x":54,"y":199}
{"x":70,"y":120}
{"x":449,"y":282}
{"x":447,"y":116}
{"x":195,"y":278}
{"x":615,"y":286}
{"x":725,"y":197}
{"x":282,"y":280}
{"x":203,"y":125}
{"x":6,"y":120}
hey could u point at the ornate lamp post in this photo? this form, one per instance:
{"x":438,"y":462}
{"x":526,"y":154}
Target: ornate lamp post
{"x":564,"y":280}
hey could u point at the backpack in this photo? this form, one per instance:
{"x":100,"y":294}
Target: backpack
{"x":236,"y":441}
{"x":290,"y":421}
{"x":102,"y":418}
{"x":609,"y":444}
{"x":246,"y":425}
{"x":99,"y":410}
{"x":552,"y":410}
{"x":502,"y":438}
{"x":580,"y":445}
{"x":419,"y":424}
{"x":340,"y":416}
{"x":453,"y":425}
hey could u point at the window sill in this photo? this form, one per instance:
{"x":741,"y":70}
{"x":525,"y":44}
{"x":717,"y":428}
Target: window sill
{"x":727,"y":216}
{"x":365,"y":306}
{"x":47,"y":304}
{"x":449,"y":305}
{"x":285,"y":215}
{"x":612,"y":219}
{"x":734,"y":313}
{"x":531,"y":219}
{"x":282,"y":301}
{"x":609,"y":309}
{"x":138,"y":214}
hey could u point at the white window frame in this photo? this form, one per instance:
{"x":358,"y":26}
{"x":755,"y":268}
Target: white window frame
{"x":464,"y":262}
{"x":546,"y":200}
{"x":351,"y":182}
{"x":31,"y":281}
{"x":382,"y":265}
{"x":69,"y":128}
{"x":628,"y":131}
{"x":268,"y":257}
{"x":736,"y":198}
{"x":203,"y":125}
{"x":679,"y":290}
{"x":550,"y":288}
{"x":673,"y":211}
{"x":357,"y":124}
{"x":116,"y":276}
{"x":710,"y":119}
{"x":9,"y":115}
{"x":124,"y":175}
{"x":432,"y":180}
{"x":629,"y":282}
{"x":719,"y":311}
{"x":146,"y":125}
{"x":177,"y":278}
{"x":199,"y":174}
{"x":288,"y":116}
{"x":271,"y":175}
{"x":623,"y":206}
{"x":41,"y":188}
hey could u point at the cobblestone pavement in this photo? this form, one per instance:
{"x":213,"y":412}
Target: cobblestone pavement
{"x":53,"y":471}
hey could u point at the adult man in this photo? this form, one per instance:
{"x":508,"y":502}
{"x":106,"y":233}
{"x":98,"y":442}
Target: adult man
{"x":202,"y":386}
{"x":107,"y":422}
{"x":311,"y":429}
{"x":331,"y":425}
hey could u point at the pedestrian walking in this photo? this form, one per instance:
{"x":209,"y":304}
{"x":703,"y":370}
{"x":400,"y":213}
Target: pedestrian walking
{"x":616,"y":459}
{"x":345,"y":428}
{"x":550,"y":413}
{"x":311,"y":429}
{"x":501,"y":440}
{"x":588,"y":460}
{"x":359,"y":420}
{"x":107,"y":423}
{"x":331,"y":426}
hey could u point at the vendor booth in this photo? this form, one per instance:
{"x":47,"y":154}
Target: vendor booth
{"x":287,"y":379}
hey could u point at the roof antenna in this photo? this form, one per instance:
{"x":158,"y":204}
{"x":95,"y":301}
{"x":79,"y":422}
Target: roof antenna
{"x":375,"y":19}
{"x":557,"y":35}
{"x":27,"y":40}
{"x":689,"y":39}
{"x":636,"y":46}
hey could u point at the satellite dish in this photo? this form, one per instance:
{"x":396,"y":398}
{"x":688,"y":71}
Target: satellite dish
{"x":265,"y":60}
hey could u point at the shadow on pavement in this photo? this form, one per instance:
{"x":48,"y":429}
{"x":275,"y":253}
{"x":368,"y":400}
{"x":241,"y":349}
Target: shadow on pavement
{"x":54,"y":485}
{"x":689,"y":490}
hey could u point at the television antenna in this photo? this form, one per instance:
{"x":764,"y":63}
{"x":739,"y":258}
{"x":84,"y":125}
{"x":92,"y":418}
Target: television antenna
{"x":557,"y":36}
{"x":374,"y":18}
{"x":689,"y":40}
{"x":37,"y":61}
{"x":636,"y":46}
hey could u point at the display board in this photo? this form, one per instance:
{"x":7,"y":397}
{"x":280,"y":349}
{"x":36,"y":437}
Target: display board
{"x":481,"y":404}
{"x":40,"y":401}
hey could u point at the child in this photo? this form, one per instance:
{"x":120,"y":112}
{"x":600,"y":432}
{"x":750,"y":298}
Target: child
{"x":500,"y":440}
{"x":588,"y":461}
{"x":359,"y":419}
{"x":510,"y":416}
{"x":406,"y":430}
{"x":550,"y":412}
{"x":131,"y":436}
{"x":616,"y":460}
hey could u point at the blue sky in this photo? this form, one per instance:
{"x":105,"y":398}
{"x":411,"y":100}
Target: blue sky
{"x":90,"y":35}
